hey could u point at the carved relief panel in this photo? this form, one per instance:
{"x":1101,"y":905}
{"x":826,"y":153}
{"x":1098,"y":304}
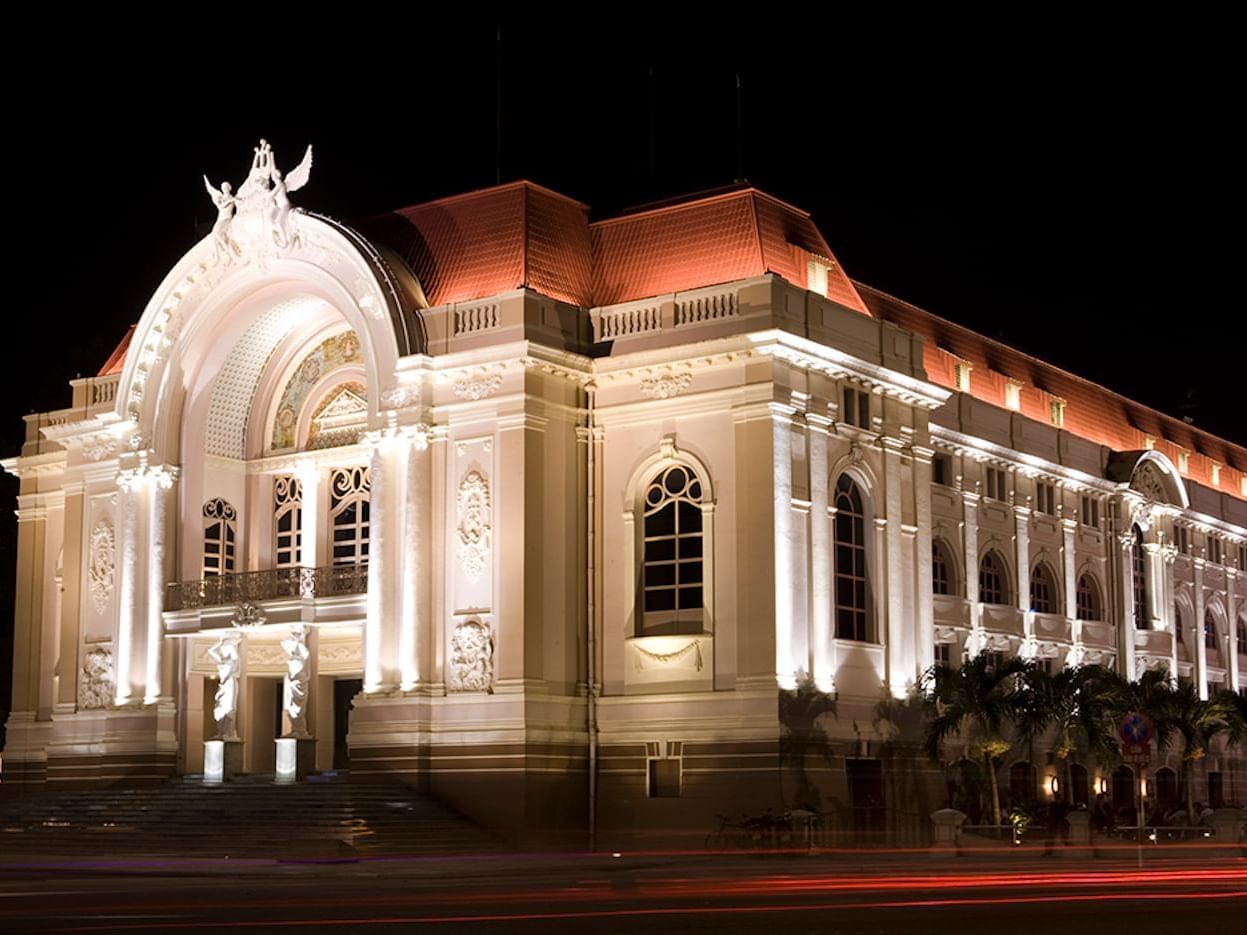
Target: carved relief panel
{"x":472,"y":530}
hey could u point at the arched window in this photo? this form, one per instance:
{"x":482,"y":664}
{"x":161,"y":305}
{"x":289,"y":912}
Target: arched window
{"x":1242,"y":636}
{"x":349,"y":512}
{"x":220,"y":538}
{"x":1090,"y":607}
{"x":1142,"y":620}
{"x":943,"y":571}
{"x":1080,"y":794}
{"x":673,"y":574}
{"x":1179,"y":627}
{"x":852,"y":577}
{"x":1210,"y":630}
{"x":1044,"y":596}
{"x":993,"y":582}
{"x":287,"y":521}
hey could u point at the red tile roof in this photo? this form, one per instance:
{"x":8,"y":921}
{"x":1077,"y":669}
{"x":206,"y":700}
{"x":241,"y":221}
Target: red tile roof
{"x":117,"y":359}
{"x":480,"y":244}
{"x":1092,"y":411}
{"x":715,"y":239}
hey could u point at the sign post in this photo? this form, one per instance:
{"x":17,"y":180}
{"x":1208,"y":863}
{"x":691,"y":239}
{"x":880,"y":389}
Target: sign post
{"x":1136,"y":749}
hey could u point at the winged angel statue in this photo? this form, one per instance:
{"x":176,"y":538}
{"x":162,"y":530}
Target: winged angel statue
{"x":264,"y":198}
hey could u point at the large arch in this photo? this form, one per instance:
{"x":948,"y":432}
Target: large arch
{"x":1149,"y":473}
{"x":207,"y":303}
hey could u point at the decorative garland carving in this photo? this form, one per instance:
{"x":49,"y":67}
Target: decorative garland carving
{"x":479,"y":387}
{"x":103,"y":564}
{"x":248,"y":616}
{"x":474,"y":524}
{"x":645,"y":659}
{"x":666,"y":385}
{"x":471,"y":667}
{"x":97,"y":685}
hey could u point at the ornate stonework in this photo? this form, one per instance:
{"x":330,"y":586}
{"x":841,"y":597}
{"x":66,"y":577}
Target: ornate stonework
{"x":1148,"y":481}
{"x":666,"y":385}
{"x":295,"y":685}
{"x":330,"y":354}
{"x":477,"y":387}
{"x":259,"y":219}
{"x":102,"y":565}
{"x":475,"y":528}
{"x":248,"y":615}
{"x":471,"y":666}
{"x":227,"y":655}
{"x":97,"y":685}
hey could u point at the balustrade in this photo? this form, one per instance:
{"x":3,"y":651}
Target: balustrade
{"x":267,"y":585}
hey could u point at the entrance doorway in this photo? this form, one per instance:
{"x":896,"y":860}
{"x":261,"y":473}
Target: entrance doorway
{"x":344,"y":692}
{"x":866,"y":799}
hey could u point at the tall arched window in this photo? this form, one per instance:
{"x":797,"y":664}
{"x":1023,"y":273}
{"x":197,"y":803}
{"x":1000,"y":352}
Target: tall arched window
{"x":852,"y":577}
{"x":1087,"y":597}
{"x":943,"y":571}
{"x":672,"y":571}
{"x":287,"y":521}
{"x":220,"y":538}
{"x":1179,"y":627}
{"x":349,"y":513}
{"x":1242,"y":636}
{"x":1044,"y":596}
{"x":993,"y":582}
{"x":1210,"y":630}
{"x":1142,"y":621}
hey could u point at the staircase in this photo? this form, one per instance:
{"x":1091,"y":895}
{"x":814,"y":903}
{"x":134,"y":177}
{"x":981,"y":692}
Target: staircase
{"x":322,"y":817}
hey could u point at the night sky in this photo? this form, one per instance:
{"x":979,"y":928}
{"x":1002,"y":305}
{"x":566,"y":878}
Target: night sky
{"x":1062,"y":187}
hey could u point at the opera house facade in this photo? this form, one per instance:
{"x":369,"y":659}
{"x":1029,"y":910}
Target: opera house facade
{"x":543,"y":514}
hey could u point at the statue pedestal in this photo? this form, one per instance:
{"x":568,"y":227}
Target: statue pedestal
{"x":296,"y":758}
{"x":222,"y":760}
{"x":946,"y":823}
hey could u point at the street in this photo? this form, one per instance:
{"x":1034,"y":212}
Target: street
{"x":848,"y":893}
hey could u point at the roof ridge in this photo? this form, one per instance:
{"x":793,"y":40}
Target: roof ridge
{"x":1043,"y":363}
{"x":520,"y":184}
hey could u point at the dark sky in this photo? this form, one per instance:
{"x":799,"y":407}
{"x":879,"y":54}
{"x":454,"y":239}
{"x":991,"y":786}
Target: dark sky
{"x":1063,"y":186}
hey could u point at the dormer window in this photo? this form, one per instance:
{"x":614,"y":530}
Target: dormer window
{"x":1013,"y":395}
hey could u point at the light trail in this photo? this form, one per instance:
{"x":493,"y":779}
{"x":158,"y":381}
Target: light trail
{"x":678,"y":910}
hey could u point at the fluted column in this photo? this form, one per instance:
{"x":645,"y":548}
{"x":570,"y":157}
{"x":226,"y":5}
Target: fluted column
{"x":1125,"y":625}
{"x":380,"y":673}
{"x":970,"y":525}
{"x":785,"y":664}
{"x":1231,"y":632}
{"x":414,"y":464}
{"x":822,"y":625}
{"x":1069,"y":529}
{"x":1021,"y":526}
{"x":131,"y":645}
{"x":1201,"y":651}
{"x":159,"y":484}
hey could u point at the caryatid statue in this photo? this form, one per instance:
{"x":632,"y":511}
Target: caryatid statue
{"x":294,"y":689}
{"x":228,"y":658}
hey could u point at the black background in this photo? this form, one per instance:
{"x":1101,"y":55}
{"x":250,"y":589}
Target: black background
{"x":1070,"y":187}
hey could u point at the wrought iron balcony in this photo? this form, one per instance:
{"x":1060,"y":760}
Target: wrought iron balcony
{"x":271,"y":584}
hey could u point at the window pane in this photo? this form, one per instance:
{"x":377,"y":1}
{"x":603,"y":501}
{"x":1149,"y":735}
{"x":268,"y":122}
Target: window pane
{"x":661,"y":523}
{"x":690,"y":546}
{"x":690,"y":598}
{"x":658,"y":575}
{"x":690,"y":518}
{"x":660,"y":600}
{"x":660,"y":550}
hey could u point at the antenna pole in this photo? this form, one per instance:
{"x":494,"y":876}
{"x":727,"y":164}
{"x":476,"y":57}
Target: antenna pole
{"x":740,"y":155}
{"x":498,"y":110}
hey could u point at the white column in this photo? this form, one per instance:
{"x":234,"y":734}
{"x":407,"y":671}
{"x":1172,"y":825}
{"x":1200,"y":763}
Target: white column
{"x":923,"y":601}
{"x":1069,"y":530}
{"x":376,"y":676}
{"x":131,"y":645}
{"x":900,"y":649}
{"x":1125,"y":625}
{"x":781,"y":434}
{"x":159,"y":483}
{"x":1021,"y":525}
{"x":414,"y":463}
{"x":970,"y":527}
{"x":1231,"y":631}
{"x":308,"y":475}
{"x":822,"y":625}
{"x":1169,"y":554}
{"x":1201,"y":652}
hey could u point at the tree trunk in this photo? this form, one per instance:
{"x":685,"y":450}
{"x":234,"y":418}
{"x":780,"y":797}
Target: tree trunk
{"x":991,"y":778}
{"x":1189,"y":769}
{"x":1068,"y":782}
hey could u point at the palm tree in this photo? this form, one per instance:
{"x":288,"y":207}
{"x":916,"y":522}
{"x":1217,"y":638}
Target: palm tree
{"x":979,"y":698}
{"x":1235,"y":707}
{"x":1197,"y":722}
{"x":1076,"y":704}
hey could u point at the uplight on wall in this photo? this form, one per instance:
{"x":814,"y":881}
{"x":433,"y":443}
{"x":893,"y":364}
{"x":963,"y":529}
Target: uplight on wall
{"x":287,"y":759}
{"x":1052,"y":785}
{"x":1101,"y":785}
